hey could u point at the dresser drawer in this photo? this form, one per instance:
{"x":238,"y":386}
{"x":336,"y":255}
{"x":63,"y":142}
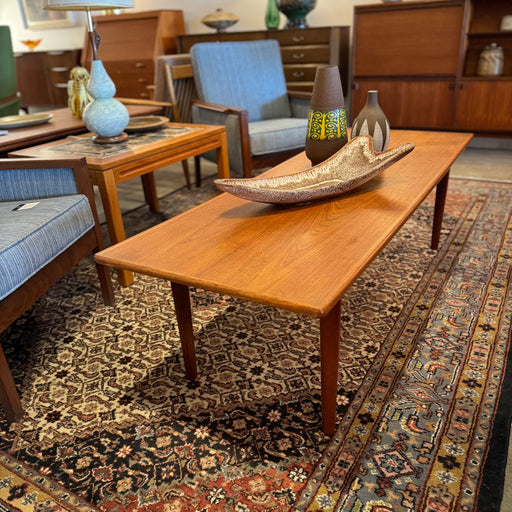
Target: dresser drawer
{"x":303,"y":54}
{"x":185,"y":42}
{"x":300,"y":86}
{"x":132,"y":89}
{"x":130,"y":66}
{"x":131,"y":78}
{"x":300,"y":73}
{"x":300,"y":36}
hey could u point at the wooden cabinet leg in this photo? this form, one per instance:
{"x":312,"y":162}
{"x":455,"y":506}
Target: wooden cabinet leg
{"x":329,"y":348}
{"x":181,"y":297}
{"x":441,"y":190}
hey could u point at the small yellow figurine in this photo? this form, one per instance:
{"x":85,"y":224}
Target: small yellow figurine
{"x":78,"y":97}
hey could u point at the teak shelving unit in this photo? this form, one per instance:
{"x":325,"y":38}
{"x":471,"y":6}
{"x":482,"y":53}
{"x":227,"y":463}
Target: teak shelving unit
{"x":422,"y":58}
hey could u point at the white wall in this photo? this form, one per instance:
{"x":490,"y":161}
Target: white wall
{"x":250,"y":12}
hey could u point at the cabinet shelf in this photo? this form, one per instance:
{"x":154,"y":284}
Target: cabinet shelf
{"x":485,"y":35}
{"x":498,"y":78}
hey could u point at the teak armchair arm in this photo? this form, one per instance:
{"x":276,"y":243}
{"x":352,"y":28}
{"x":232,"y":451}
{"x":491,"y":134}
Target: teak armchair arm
{"x":243,"y":125}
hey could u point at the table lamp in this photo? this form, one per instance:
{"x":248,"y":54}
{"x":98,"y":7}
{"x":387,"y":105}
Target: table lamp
{"x":104,"y":116}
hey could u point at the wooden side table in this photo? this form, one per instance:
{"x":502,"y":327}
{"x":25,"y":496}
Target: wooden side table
{"x":140,"y":155}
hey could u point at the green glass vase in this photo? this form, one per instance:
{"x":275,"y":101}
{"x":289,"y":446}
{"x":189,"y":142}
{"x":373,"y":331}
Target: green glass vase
{"x":272,"y":16}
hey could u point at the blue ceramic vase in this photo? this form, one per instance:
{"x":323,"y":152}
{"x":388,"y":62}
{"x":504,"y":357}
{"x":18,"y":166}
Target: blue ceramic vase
{"x":104,"y":116}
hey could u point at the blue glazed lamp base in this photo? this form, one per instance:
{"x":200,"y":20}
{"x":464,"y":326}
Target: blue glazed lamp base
{"x":104,"y":116}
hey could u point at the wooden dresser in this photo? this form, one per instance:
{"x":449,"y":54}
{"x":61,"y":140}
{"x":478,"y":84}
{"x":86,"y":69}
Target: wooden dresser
{"x":43,"y":76}
{"x":130,"y":45}
{"x":422,"y":58}
{"x":302,"y":50}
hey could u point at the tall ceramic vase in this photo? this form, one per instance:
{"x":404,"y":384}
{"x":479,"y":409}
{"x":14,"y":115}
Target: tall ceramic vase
{"x":372,"y":121}
{"x":327,"y":123}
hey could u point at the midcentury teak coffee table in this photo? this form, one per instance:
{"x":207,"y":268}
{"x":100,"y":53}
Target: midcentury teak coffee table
{"x":140,"y":155}
{"x":62,"y":124}
{"x":300,"y":258}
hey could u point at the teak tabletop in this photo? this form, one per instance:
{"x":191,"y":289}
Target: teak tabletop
{"x":298,"y":257}
{"x":140,"y":155}
{"x":62,"y":124}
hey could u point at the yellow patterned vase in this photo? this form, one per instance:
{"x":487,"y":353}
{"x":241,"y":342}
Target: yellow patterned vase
{"x":327,"y":124}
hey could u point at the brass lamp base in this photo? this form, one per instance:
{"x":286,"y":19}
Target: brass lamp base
{"x":110,"y":140}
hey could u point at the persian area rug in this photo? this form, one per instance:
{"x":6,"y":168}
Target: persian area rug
{"x":112,"y":419}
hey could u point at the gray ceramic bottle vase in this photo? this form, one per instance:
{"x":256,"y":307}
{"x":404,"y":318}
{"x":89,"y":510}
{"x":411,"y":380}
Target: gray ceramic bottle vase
{"x":327,"y":123}
{"x":372,"y":121}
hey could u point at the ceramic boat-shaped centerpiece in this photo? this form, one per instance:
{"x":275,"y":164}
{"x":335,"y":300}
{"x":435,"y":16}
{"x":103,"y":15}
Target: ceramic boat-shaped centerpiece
{"x":354,"y":164}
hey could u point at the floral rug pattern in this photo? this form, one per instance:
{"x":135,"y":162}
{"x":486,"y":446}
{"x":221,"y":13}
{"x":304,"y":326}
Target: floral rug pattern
{"x":111,"y":417}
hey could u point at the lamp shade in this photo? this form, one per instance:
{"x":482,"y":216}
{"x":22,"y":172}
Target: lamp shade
{"x":86,"y":5}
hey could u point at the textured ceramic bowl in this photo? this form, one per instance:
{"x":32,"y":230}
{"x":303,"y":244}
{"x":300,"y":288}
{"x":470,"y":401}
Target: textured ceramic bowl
{"x":350,"y":167}
{"x":220,"y":20}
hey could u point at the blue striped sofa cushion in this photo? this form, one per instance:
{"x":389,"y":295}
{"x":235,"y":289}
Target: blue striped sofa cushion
{"x":31,"y":238}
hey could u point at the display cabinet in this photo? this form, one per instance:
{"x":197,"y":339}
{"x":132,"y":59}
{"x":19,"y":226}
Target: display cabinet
{"x":422,"y":57}
{"x":485,"y":103}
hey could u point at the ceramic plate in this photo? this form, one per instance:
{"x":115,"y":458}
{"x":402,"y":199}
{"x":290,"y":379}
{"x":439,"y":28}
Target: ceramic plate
{"x":145,"y":124}
{"x":354,"y":164}
{"x":11,"y":122}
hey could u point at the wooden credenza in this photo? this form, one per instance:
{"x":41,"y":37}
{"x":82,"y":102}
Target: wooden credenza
{"x":422,"y":58}
{"x":130,"y":45}
{"x":302,"y":50}
{"x":43,"y":76}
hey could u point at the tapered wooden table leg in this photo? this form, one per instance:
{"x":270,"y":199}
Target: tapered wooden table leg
{"x":181,"y":297}
{"x":108,"y":191}
{"x":222,"y":158}
{"x":329,"y":347}
{"x":150,"y":194}
{"x":441,"y":190}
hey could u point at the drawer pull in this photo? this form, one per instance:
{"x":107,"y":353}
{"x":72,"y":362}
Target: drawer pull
{"x":298,"y":74}
{"x":297,"y":39}
{"x":140,"y":65}
{"x":298,"y":55}
{"x":142,"y":80}
{"x":144,"y":95}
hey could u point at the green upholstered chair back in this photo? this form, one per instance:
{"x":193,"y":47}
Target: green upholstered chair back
{"x":9,"y":102}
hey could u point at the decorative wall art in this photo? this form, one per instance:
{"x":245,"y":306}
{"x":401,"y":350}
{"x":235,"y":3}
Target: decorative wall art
{"x":36,"y":17}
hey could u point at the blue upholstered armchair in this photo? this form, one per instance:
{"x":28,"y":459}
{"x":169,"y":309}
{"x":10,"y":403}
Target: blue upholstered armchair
{"x":242,"y":85}
{"x":48,"y":224}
